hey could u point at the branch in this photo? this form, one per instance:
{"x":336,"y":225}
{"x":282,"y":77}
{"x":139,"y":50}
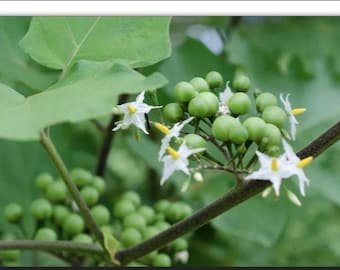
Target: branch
{"x":222,"y":204}
{"x":52,"y":246}
{"x":108,"y":138}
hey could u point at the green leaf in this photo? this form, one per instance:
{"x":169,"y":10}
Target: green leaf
{"x":17,"y":69}
{"x":111,"y":244}
{"x":72,"y":100}
{"x":59,"y":42}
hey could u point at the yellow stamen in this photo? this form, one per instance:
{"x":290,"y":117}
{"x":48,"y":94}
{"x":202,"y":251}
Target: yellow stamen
{"x":132,"y":109}
{"x":304,"y":162}
{"x":275,"y":165}
{"x":172,"y":152}
{"x":298,"y":111}
{"x":162,"y":128}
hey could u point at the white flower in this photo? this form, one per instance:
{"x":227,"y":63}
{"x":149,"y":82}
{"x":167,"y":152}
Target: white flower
{"x":224,"y":97}
{"x":291,"y":112}
{"x":170,"y":133}
{"x":134,"y":113}
{"x":295,"y":166}
{"x":177,"y":160}
{"x":272,"y":169}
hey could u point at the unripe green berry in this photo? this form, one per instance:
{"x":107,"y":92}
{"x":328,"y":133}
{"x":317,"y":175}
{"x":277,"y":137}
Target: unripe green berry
{"x":56,"y":191}
{"x":90,"y":195}
{"x":161,"y":260}
{"x":133,"y":197}
{"x":273,"y":135}
{"x":134,"y":220}
{"x":151,"y":231}
{"x":130,"y":237}
{"x":195,"y":141}
{"x":123,"y":208}
{"x":73,"y":224}
{"x":162,"y":205}
{"x":162,"y":225}
{"x":43,"y":180}
{"x":13,"y":212}
{"x":239,"y":103}
{"x":45,"y":234}
{"x":41,"y":209}
{"x":273,"y":150}
{"x":81,"y":177}
{"x":173,"y":112}
{"x":238,"y":135}
{"x":198,"y":107}
{"x":212,"y":102}
{"x":100,"y":214}
{"x":159,"y":217}
{"x":264,"y":100}
{"x":256,"y":128}
{"x":82,"y":238}
{"x":222,"y":126}
{"x":214,"y":79}
{"x":199,"y":84}
{"x":180,"y":244}
{"x":59,"y":214}
{"x":147,"y":213}
{"x":99,"y":184}
{"x":186,"y":209}
{"x":184,"y":92}
{"x":175,"y":212}
{"x":241,"y":83}
{"x":274,"y":115}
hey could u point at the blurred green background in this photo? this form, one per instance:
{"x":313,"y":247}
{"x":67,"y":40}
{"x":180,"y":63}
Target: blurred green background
{"x":296,"y":55}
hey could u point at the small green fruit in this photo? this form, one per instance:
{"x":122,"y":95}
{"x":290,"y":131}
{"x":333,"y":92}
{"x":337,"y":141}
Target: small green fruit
{"x":256,"y":128}
{"x":81,"y":177}
{"x":274,"y":115}
{"x":130,"y":237}
{"x":59,"y":214}
{"x":241,"y":83}
{"x":214,"y":79}
{"x":41,"y":209}
{"x":13,"y":213}
{"x":162,"y":225}
{"x":162,"y":205}
{"x":134,"y":220}
{"x":100,"y":214}
{"x":238,"y":135}
{"x":212,"y":102}
{"x":56,"y":191}
{"x":222,"y":126}
{"x":199,"y":84}
{"x":184,"y":92}
{"x":180,"y":244}
{"x":82,"y":238}
{"x":150,"y":232}
{"x":264,"y":100}
{"x":133,"y":197}
{"x":148,"y":213}
{"x":46,"y":234}
{"x":195,"y":141}
{"x":123,"y":208}
{"x":273,"y":135}
{"x":90,"y":195}
{"x":43,"y":180}
{"x":161,"y":260}
{"x":99,"y":184}
{"x":198,"y":107}
{"x":239,"y":103}
{"x":73,"y":224}
{"x":173,"y":112}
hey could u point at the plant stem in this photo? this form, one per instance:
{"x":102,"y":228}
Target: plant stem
{"x":107,"y":141}
{"x":51,"y":246}
{"x":61,"y":167}
{"x":222,"y":204}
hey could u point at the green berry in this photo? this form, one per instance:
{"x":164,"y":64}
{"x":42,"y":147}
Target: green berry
{"x":161,"y":260}
{"x":199,"y":84}
{"x":256,"y":128}
{"x":56,"y":191}
{"x":239,"y":103}
{"x":73,"y":224}
{"x":147,"y":213}
{"x":273,"y":135}
{"x":264,"y":100}
{"x":241,"y":83}
{"x":274,"y":115}
{"x":186,"y":209}
{"x":123,"y":208}
{"x":130,"y":237}
{"x":198,"y":107}
{"x":162,"y":225}
{"x":212,"y":102}
{"x":159,"y":217}
{"x":9,"y":255}
{"x":99,"y":184}
{"x":195,"y":141}
{"x":100,"y":214}
{"x":81,"y":177}
{"x":214,"y":79}
{"x":43,"y":180}
{"x":180,"y":244}
{"x":238,"y":135}
{"x":222,"y":126}
{"x":173,"y":112}
{"x":90,"y":195}
{"x":45,"y":234}
{"x":134,"y":220}
{"x":162,"y":205}
{"x":133,"y":197}
{"x":273,"y":150}
{"x":13,"y":212}
{"x":82,"y":238}
{"x":175,"y":212}
{"x":150,"y":232}
{"x":184,"y":92}
{"x":59,"y":214}
{"x":41,"y":209}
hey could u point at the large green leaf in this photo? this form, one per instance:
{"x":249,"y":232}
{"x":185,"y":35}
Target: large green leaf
{"x":58,"y":42}
{"x":17,"y":69}
{"x":71,"y":100}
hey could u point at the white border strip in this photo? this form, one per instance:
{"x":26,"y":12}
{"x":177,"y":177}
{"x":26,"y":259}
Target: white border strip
{"x":178,"y":8}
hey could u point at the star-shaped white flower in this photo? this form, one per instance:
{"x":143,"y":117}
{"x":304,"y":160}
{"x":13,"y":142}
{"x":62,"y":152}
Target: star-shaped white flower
{"x":291,"y":112}
{"x":272,"y":169}
{"x":295,"y":166}
{"x":134,"y":113}
{"x":177,"y":160}
{"x":170,"y":133}
{"x":224,"y":97}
